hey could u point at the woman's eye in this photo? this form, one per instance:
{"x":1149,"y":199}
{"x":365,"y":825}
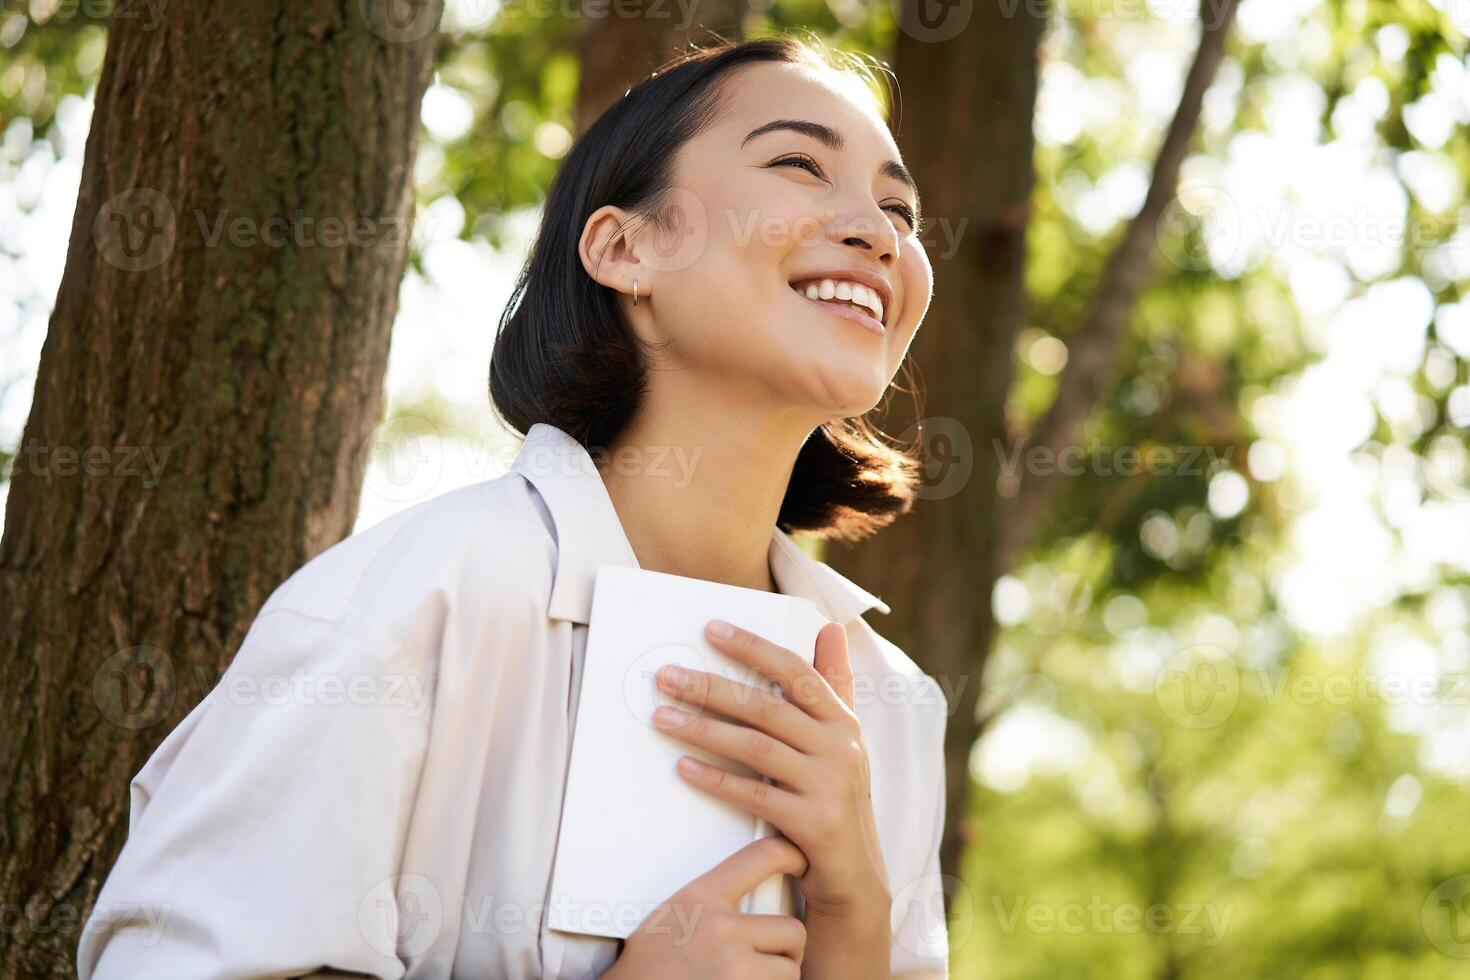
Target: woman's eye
{"x":810,"y":166}
{"x":805,"y":163}
{"x":906,"y":213}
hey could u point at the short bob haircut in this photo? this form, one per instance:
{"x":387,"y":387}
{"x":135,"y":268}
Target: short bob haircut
{"x":565,"y":355}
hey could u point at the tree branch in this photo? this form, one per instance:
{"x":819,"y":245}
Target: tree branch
{"x":1093,"y":348}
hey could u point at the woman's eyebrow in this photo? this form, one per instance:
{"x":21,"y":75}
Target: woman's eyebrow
{"x":826,"y":135}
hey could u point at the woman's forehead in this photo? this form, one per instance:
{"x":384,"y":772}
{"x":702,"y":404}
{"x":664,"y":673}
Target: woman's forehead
{"x":837,"y":99}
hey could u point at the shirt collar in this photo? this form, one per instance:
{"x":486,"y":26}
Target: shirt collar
{"x":589,"y":534}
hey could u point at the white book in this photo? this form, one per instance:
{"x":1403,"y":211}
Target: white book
{"x":633,"y":831}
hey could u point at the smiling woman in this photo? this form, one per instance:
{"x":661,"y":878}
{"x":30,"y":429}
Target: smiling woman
{"x":715,"y":282}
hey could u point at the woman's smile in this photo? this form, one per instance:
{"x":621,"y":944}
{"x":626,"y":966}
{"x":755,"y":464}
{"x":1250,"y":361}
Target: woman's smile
{"x":857,"y":295}
{"x":848,"y":308}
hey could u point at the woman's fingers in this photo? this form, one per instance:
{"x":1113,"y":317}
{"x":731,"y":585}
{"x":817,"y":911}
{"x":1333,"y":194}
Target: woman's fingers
{"x":781,"y":807}
{"x":833,"y":661}
{"x":803,"y":686}
{"x":768,"y":967}
{"x":779,"y":935}
{"x":740,"y":743}
{"x":741,"y":872}
{"x":755,"y":706}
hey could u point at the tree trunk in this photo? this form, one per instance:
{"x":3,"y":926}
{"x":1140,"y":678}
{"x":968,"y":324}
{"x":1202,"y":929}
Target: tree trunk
{"x":967,"y":138}
{"x":627,"y":40}
{"x":207,"y":392}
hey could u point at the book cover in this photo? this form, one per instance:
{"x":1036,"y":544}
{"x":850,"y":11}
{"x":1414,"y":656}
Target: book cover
{"x":633,"y":832}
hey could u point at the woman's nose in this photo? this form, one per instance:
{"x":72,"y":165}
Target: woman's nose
{"x":867,"y":228}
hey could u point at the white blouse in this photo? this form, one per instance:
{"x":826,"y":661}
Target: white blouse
{"x":375,"y":783}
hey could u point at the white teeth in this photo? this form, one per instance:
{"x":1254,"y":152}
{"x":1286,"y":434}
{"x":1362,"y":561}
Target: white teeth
{"x":852,"y":292}
{"x":876,"y":305}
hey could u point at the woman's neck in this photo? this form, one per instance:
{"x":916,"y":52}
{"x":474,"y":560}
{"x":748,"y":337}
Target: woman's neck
{"x":698,"y":492}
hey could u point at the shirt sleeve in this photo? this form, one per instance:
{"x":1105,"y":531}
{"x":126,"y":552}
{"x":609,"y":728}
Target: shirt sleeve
{"x":266,"y":831}
{"x":921,"y":938}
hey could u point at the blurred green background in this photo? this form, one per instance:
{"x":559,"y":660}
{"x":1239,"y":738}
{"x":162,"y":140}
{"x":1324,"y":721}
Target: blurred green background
{"x":1225,"y":727}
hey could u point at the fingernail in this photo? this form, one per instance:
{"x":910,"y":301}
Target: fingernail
{"x":673,"y":674}
{"x":720,"y":628}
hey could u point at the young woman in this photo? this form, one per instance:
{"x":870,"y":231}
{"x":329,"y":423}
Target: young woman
{"x":727,"y":279}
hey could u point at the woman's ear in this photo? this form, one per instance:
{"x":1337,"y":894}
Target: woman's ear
{"x":609,"y":255}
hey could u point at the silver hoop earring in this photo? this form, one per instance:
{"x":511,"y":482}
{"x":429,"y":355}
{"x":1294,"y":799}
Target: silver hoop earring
{"x":635,"y":292}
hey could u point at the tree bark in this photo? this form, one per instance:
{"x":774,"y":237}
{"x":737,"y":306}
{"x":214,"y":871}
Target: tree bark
{"x":625,"y":41}
{"x":207,"y":391}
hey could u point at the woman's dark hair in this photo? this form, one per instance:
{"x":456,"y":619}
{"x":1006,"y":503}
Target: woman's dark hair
{"x":565,"y":355}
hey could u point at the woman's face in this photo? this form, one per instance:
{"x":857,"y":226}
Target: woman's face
{"x":797,"y":190}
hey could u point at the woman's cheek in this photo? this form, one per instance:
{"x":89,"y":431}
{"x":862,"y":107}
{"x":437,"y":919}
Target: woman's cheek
{"x":787,"y":222}
{"x":918,"y":283}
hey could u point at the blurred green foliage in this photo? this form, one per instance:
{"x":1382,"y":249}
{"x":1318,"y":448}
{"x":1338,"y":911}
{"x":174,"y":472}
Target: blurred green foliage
{"x":46,"y":57}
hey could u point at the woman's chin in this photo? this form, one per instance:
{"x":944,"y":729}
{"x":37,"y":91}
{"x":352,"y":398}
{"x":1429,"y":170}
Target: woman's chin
{"x":848,"y":393}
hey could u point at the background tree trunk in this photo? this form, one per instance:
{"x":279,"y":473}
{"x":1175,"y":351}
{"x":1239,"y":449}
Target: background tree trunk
{"x":620,"y":48}
{"x":207,"y":391}
{"x":967,"y":138}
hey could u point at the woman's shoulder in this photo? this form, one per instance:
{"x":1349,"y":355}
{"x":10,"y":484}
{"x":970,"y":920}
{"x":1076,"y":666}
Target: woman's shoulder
{"x":484,"y":544}
{"x":894,"y":677}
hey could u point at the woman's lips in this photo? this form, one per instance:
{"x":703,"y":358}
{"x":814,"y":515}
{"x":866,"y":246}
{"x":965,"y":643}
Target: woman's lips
{"x":868,"y":299}
{"x":847,"y":311}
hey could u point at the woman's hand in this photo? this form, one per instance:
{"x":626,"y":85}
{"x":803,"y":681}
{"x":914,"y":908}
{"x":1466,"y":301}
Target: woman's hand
{"x":700,"y":931}
{"x":810,"y":743}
